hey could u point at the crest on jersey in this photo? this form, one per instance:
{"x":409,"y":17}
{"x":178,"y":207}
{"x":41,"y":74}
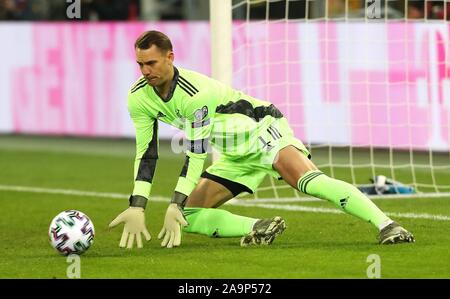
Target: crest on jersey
{"x":201,"y":113}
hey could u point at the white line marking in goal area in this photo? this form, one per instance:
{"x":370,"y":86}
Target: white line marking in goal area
{"x":444,"y":195}
{"x":74,"y":192}
{"x":336,"y":211}
{"x":60,"y":191}
{"x":240,"y":203}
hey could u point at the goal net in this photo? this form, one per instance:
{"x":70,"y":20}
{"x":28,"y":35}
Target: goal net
{"x":364,"y":84}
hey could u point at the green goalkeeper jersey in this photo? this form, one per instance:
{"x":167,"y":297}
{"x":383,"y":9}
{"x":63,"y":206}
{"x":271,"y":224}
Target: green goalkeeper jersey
{"x":207,"y":110}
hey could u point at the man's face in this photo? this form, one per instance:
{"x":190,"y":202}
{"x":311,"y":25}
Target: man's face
{"x":155,"y":65}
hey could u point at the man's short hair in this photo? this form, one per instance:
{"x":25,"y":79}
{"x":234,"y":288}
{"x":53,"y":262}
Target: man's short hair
{"x":153,"y":37}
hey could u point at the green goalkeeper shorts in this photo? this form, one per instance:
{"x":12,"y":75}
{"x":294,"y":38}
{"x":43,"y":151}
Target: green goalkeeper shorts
{"x":248,"y":170}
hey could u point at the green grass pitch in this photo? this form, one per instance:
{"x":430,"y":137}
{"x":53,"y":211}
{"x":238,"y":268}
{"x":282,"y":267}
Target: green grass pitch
{"x":315,"y":245}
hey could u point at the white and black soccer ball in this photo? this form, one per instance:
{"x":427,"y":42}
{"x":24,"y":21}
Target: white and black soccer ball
{"x":71,"y":232}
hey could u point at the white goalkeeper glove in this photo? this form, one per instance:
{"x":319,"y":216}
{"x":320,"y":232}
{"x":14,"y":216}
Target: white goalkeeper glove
{"x":134,"y":219}
{"x":171,"y":231}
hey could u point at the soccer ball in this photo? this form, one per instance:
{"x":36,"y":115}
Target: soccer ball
{"x":71,"y":232}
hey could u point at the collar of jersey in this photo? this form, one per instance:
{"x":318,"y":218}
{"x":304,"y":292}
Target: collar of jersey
{"x":172,"y":87}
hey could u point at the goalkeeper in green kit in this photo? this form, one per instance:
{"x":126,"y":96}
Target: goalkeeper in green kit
{"x":253,"y":138}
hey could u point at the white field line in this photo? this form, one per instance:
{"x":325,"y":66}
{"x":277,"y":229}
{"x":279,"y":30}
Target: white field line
{"x":240,"y":203}
{"x":445,"y":195}
{"x":72,"y":192}
{"x":336,"y":211}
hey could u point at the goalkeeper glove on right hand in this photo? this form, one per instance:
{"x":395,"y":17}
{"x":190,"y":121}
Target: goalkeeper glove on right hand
{"x":171,"y":231}
{"x":134,"y":219}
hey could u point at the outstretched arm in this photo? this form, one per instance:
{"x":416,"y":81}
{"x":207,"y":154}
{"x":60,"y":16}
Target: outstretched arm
{"x":144,"y":170}
{"x":199,"y":114}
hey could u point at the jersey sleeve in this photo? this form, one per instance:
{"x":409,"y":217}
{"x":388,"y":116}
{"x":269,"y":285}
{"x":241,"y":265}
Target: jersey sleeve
{"x":146,"y":128}
{"x":199,"y":114}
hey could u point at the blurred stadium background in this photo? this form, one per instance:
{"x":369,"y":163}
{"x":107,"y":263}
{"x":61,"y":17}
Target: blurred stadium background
{"x":365,"y":85}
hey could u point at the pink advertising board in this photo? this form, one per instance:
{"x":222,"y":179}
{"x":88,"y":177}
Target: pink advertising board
{"x":383,"y":84}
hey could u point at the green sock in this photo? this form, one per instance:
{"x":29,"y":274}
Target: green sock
{"x":344,"y":195}
{"x":217,"y":222}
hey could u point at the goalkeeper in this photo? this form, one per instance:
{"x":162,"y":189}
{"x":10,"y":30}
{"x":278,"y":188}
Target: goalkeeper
{"x":254,"y":140}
